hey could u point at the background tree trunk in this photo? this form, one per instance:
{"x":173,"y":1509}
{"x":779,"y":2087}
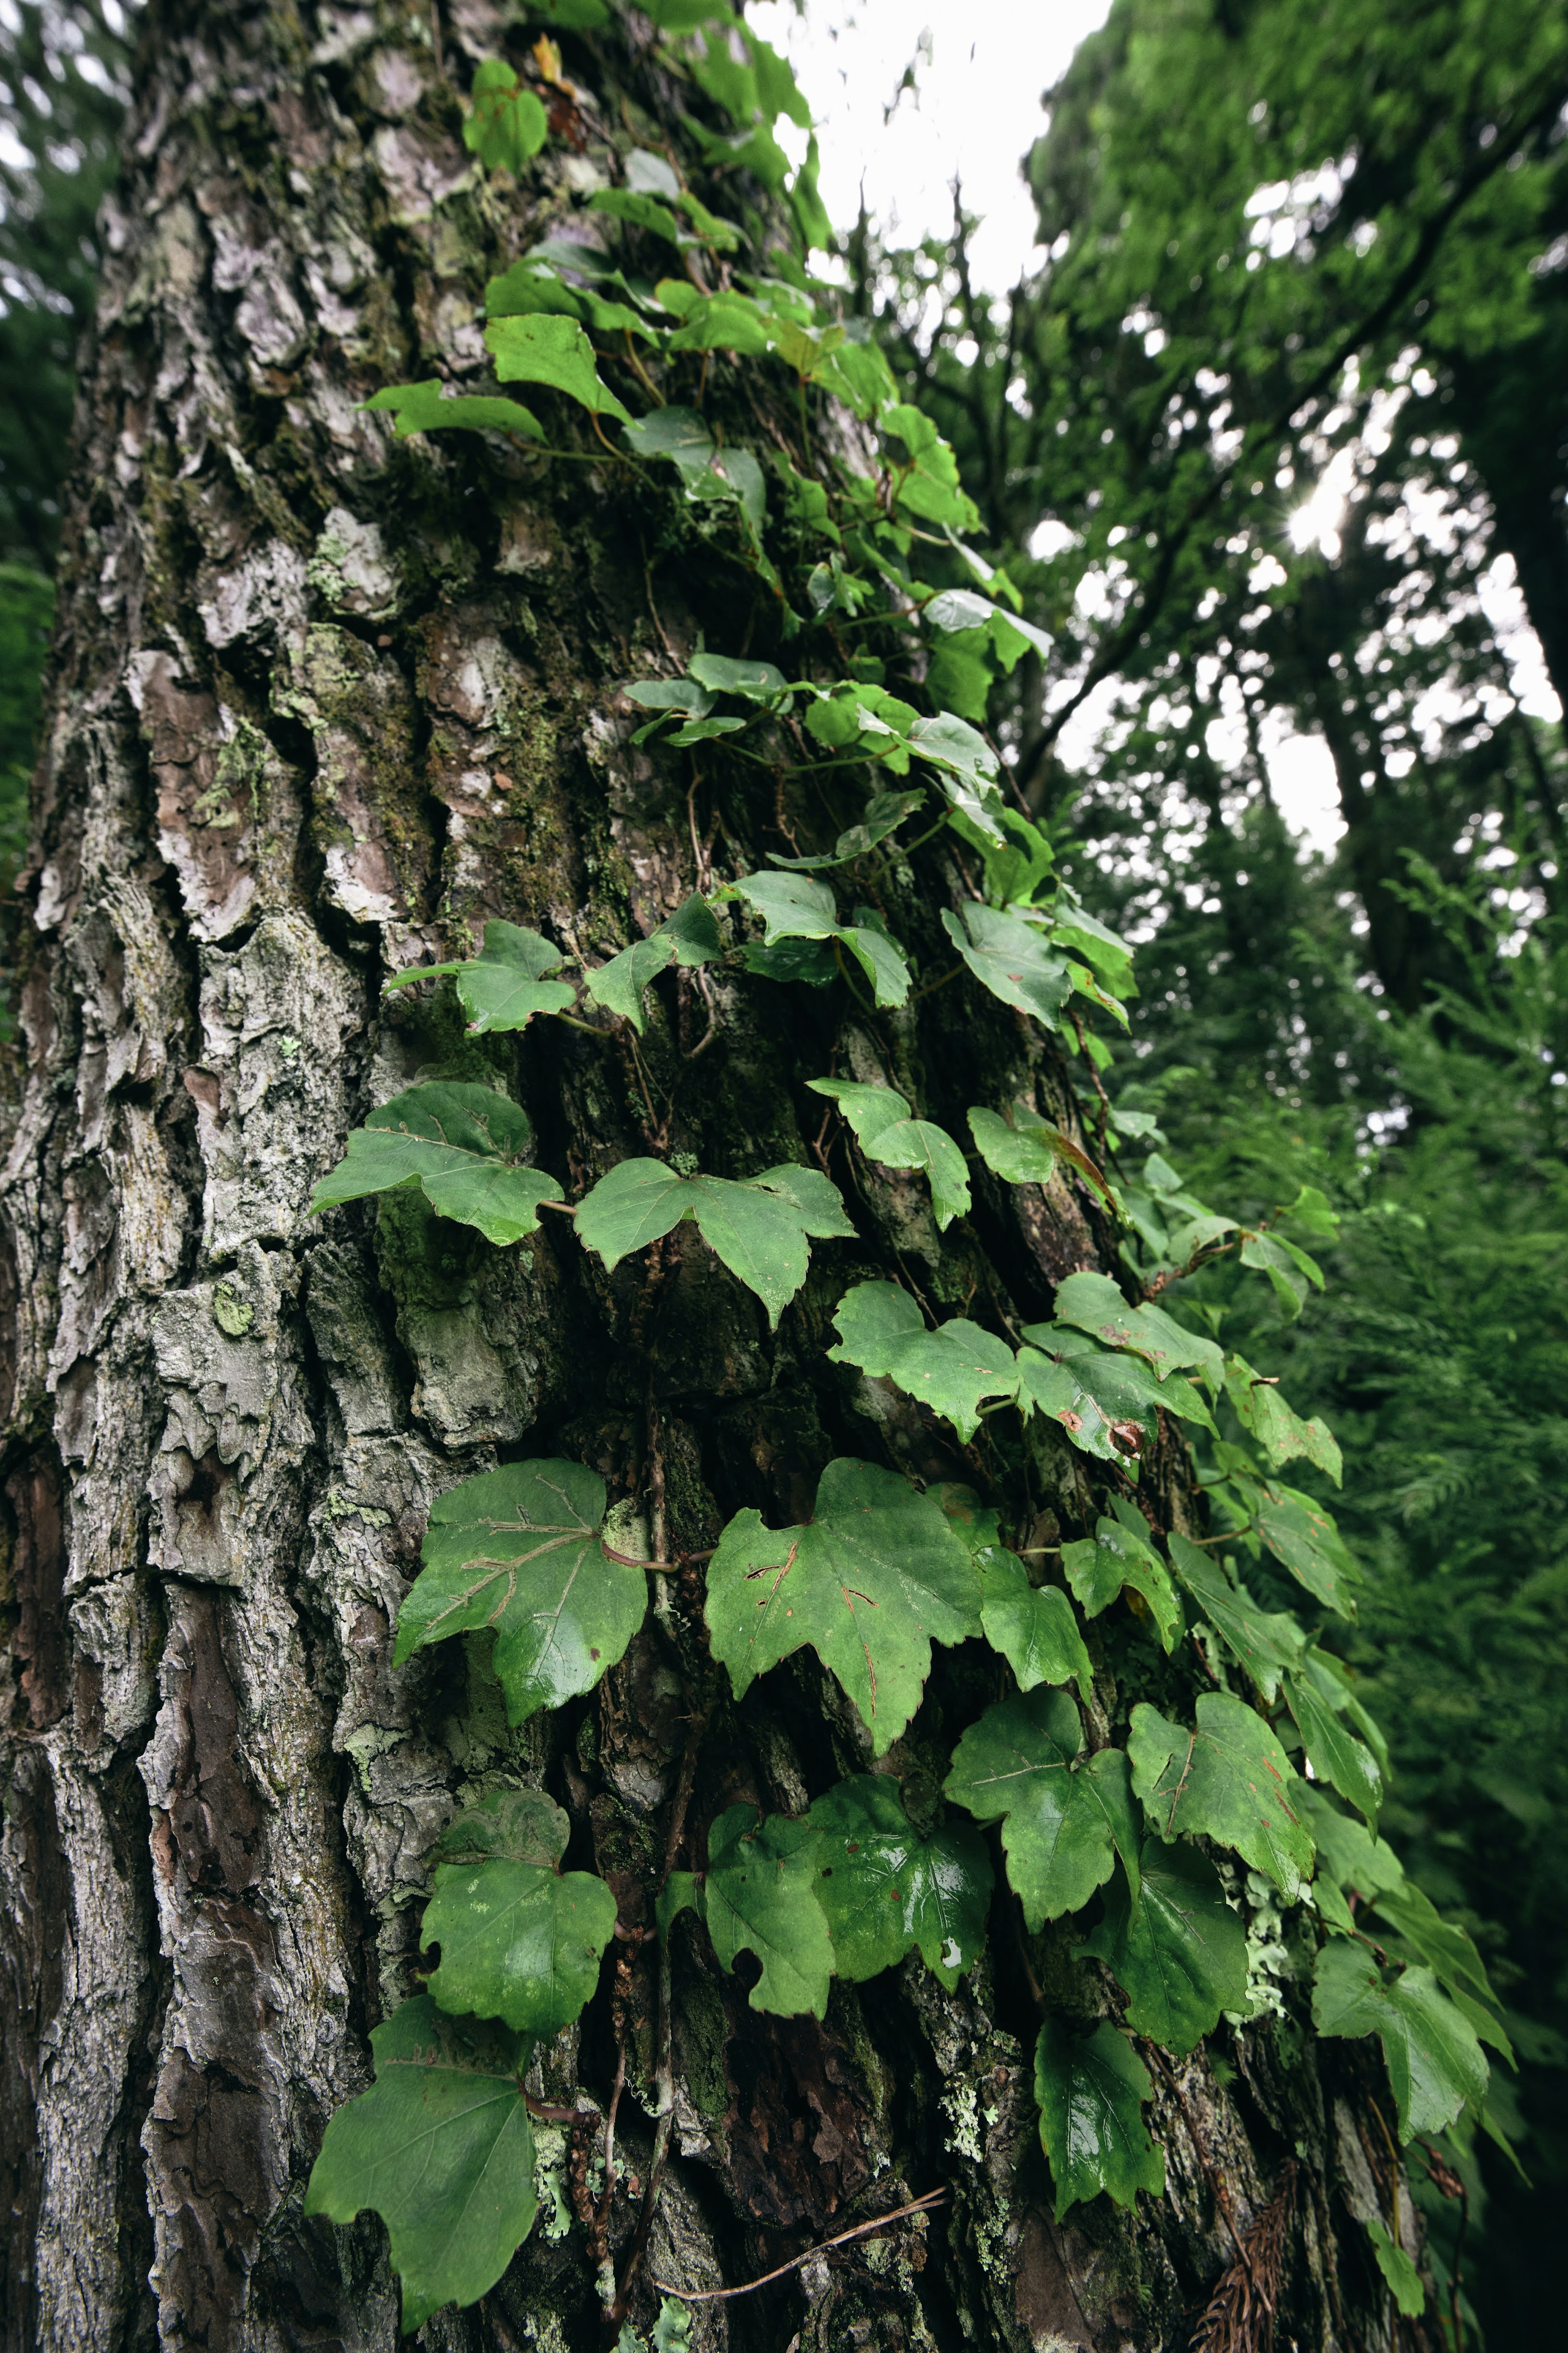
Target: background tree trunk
{"x":320,"y":705}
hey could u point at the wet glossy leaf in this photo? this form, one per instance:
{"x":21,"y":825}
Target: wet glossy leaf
{"x":885,"y":1133}
{"x":795,"y":906}
{"x":952,"y":1369}
{"x":507,"y":124}
{"x":1289,"y":1270}
{"x":518,"y":1550}
{"x":1445,"y":1950}
{"x":1064,"y":1816}
{"x":690,"y":936}
{"x":553,"y":351}
{"x":1032,"y":1626}
{"x":506,"y":984}
{"x":1335,"y":1753}
{"x":1091,"y":2090}
{"x":1228,"y":1779}
{"x":1112,"y":1392}
{"x":759,"y":1895}
{"x":1279,"y":1432}
{"x":463,"y":1146}
{"x":1177,"y":1950}
{"x":1027,"y":1151}
{"x":1265,"y":1642}
{"x":440,"y":2147}
{"x":884,"y":1888}
{"x":1095,"y":1304}
{"x":1117,"y":1559}
{"x":1011,"y":959}
{"x":870,"y":1583}
{"x":1434,"y":2063}
{"x":759,"y":1226}
{"x":421,"y":409}
{"x":519,"y":1940}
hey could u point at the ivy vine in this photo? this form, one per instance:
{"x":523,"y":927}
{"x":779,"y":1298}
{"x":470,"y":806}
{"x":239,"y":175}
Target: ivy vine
{"x":441,"y":2145}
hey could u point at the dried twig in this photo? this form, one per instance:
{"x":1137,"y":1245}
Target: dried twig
{"x":862,"y":2230}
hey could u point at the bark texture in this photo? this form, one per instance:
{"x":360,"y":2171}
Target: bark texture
{"x":322,"y":704}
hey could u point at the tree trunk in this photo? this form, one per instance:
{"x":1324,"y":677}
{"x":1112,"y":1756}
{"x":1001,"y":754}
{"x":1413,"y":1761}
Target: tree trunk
{"x":320,"y":704}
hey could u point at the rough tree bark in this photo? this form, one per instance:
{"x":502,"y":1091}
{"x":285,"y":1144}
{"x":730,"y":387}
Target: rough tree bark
{"x":320,"y":704}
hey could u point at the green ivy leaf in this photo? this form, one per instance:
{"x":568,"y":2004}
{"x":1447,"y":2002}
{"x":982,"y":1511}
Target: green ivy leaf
{"x":1434,"y":2063}
{"x":1447,"y":1951}
{"x":519,"y":1940}
{"x":884,"y":1888}
{"x":885,"y":1133}
{"x":1095,"y":1304}
{"x":1177,"y":1950}
{"x":518,"y":1550}
{"x":759,"y":1895}
{"x":1011,"y":959}
{"x":507,"y":125}
{"x":421,"y":409}
{"x":755,"y":681}
{"x":1064,"y":1817}
{"x":925,"y":481}
{"x":1348,"y":1854}
{"x":1091,"y":2090}
{"x":554,"y":352}
{"x":1301,"y":1533}
{"x":1289,"y":1270}
{"x":1267,"y":1643}
{"x":884,"y":812}
{"x":881,"y":1330}
{"x":759,"y":1226}
{"x":1227,"y":1779}
{"x":794,"y":906}
{"x":505,"y":984}
{"x":1335,"y":1753}
{"x":1032,"y":1626}
{"x":440,"y":2147}
{"x":1117,"y":1559}
{"x":678,"y":434}
{"x":1400,"y":2275}
{"x":1279,"y":1432}
{"x":462,"y":1146}
{"x":874,"y":1578}
{"x":723,"y":322}
{"x":690,"y":936}
{"x":1112,"y":1400}
{"x":1026,"y":1153}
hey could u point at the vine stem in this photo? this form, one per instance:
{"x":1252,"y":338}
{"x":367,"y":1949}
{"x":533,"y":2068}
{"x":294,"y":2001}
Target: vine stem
{"x":922,"y":2205}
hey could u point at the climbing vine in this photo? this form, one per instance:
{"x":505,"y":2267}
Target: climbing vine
{"x":1265,"y":1793}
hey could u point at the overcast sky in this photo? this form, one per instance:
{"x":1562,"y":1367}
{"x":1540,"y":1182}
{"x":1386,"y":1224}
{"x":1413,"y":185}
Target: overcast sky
{"x":982,"y":66}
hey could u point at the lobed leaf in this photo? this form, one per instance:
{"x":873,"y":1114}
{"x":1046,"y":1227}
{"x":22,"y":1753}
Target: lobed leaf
{"x":519,"y":1551}
{"x":1227,"y":1779}
{"x":952,"y":1369}
{"x":423,"y":408}
{"x":1302,"y":1534}
{"x":519,"y":1940}
{"x":1279,"y":1432}
{"x":870,"y":1583}
{"x":690,"y":936}
{"x":885,"y":1133}
{"x":1032,"y":1626}
{"x":1117,"y":1559}
{"x":883,"y":1887}
{"x":541,"y":349}
{"x":1092,"y":2089}
{"x":1026,"y":1153}
{"x":1434,"y":2063}
{"x":1095,"y":1303}
{"x":462,"y":1146}
{"x":758,"y":1226}
{"x":507,"y":125}
{"x":1176,"y":1948}
{"x":759,"y":1895}
{"x":440,"y":2147}
{"x":506,"y":984}
{"x":1265,"y":1643}
{"x":1064,"y":1817}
